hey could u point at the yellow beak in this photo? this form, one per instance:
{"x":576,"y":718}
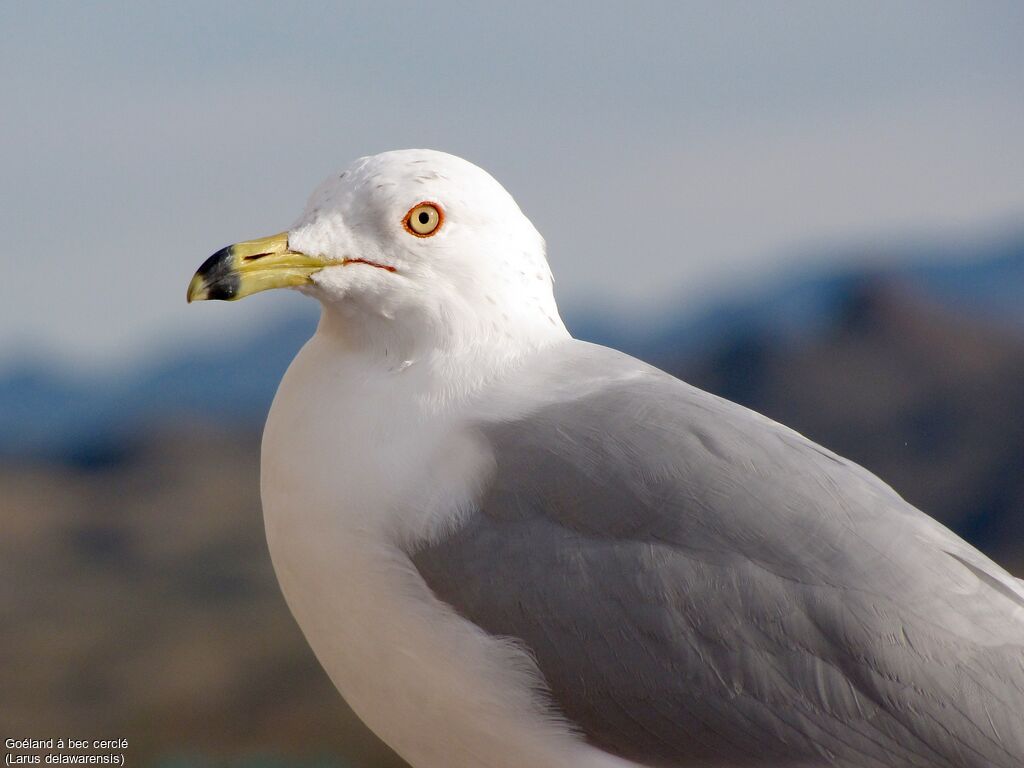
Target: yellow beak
{"x":250,"y":267}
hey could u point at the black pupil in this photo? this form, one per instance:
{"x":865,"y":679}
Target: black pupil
{"x":424,"y":217}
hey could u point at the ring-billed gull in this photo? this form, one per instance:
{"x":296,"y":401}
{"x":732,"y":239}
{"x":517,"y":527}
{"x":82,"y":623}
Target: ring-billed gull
{"x":510,"y":548}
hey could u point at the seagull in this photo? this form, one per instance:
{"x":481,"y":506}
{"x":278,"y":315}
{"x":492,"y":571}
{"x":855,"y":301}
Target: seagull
{"x":509,"y":548}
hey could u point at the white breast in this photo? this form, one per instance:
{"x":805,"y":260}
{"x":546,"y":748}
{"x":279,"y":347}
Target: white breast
{"x":355,"y":465}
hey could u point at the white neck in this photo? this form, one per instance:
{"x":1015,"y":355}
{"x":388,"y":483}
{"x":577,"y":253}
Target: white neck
{"x":450,"y":361}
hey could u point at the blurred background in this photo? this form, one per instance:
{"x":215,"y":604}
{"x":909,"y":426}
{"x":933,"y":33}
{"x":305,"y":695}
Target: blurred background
{"x":814,"y":209}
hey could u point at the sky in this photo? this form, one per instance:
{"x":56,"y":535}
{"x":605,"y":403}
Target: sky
{"x":671,"y":154}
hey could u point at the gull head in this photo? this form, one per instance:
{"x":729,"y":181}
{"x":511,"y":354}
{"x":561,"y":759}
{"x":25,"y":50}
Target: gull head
{"x":412,"y":246}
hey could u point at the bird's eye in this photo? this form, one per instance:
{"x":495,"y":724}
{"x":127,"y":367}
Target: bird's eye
{"x":423,"y":220}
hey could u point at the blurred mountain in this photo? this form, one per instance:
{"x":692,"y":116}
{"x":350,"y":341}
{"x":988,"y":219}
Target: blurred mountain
{"x":984,"y":280}
{"x":44,"y":414}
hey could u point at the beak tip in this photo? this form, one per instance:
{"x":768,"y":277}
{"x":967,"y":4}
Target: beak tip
{"x":197,"y":290}
{"x":239,"y":270}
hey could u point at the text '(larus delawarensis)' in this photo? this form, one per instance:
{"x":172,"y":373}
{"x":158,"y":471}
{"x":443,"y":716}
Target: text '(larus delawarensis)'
{"x":512,"y":549}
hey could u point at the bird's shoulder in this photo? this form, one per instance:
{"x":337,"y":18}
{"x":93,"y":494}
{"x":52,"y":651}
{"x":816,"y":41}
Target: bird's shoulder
{"x":648,"y":449}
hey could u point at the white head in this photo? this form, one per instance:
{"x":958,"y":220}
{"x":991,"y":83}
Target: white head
{"x":467,"y":269}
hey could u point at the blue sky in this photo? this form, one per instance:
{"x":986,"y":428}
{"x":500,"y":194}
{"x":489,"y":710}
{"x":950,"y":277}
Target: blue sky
{"x":670,"y":153}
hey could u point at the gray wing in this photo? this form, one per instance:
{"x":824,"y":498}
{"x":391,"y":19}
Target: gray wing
{"x":702,"y":586}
